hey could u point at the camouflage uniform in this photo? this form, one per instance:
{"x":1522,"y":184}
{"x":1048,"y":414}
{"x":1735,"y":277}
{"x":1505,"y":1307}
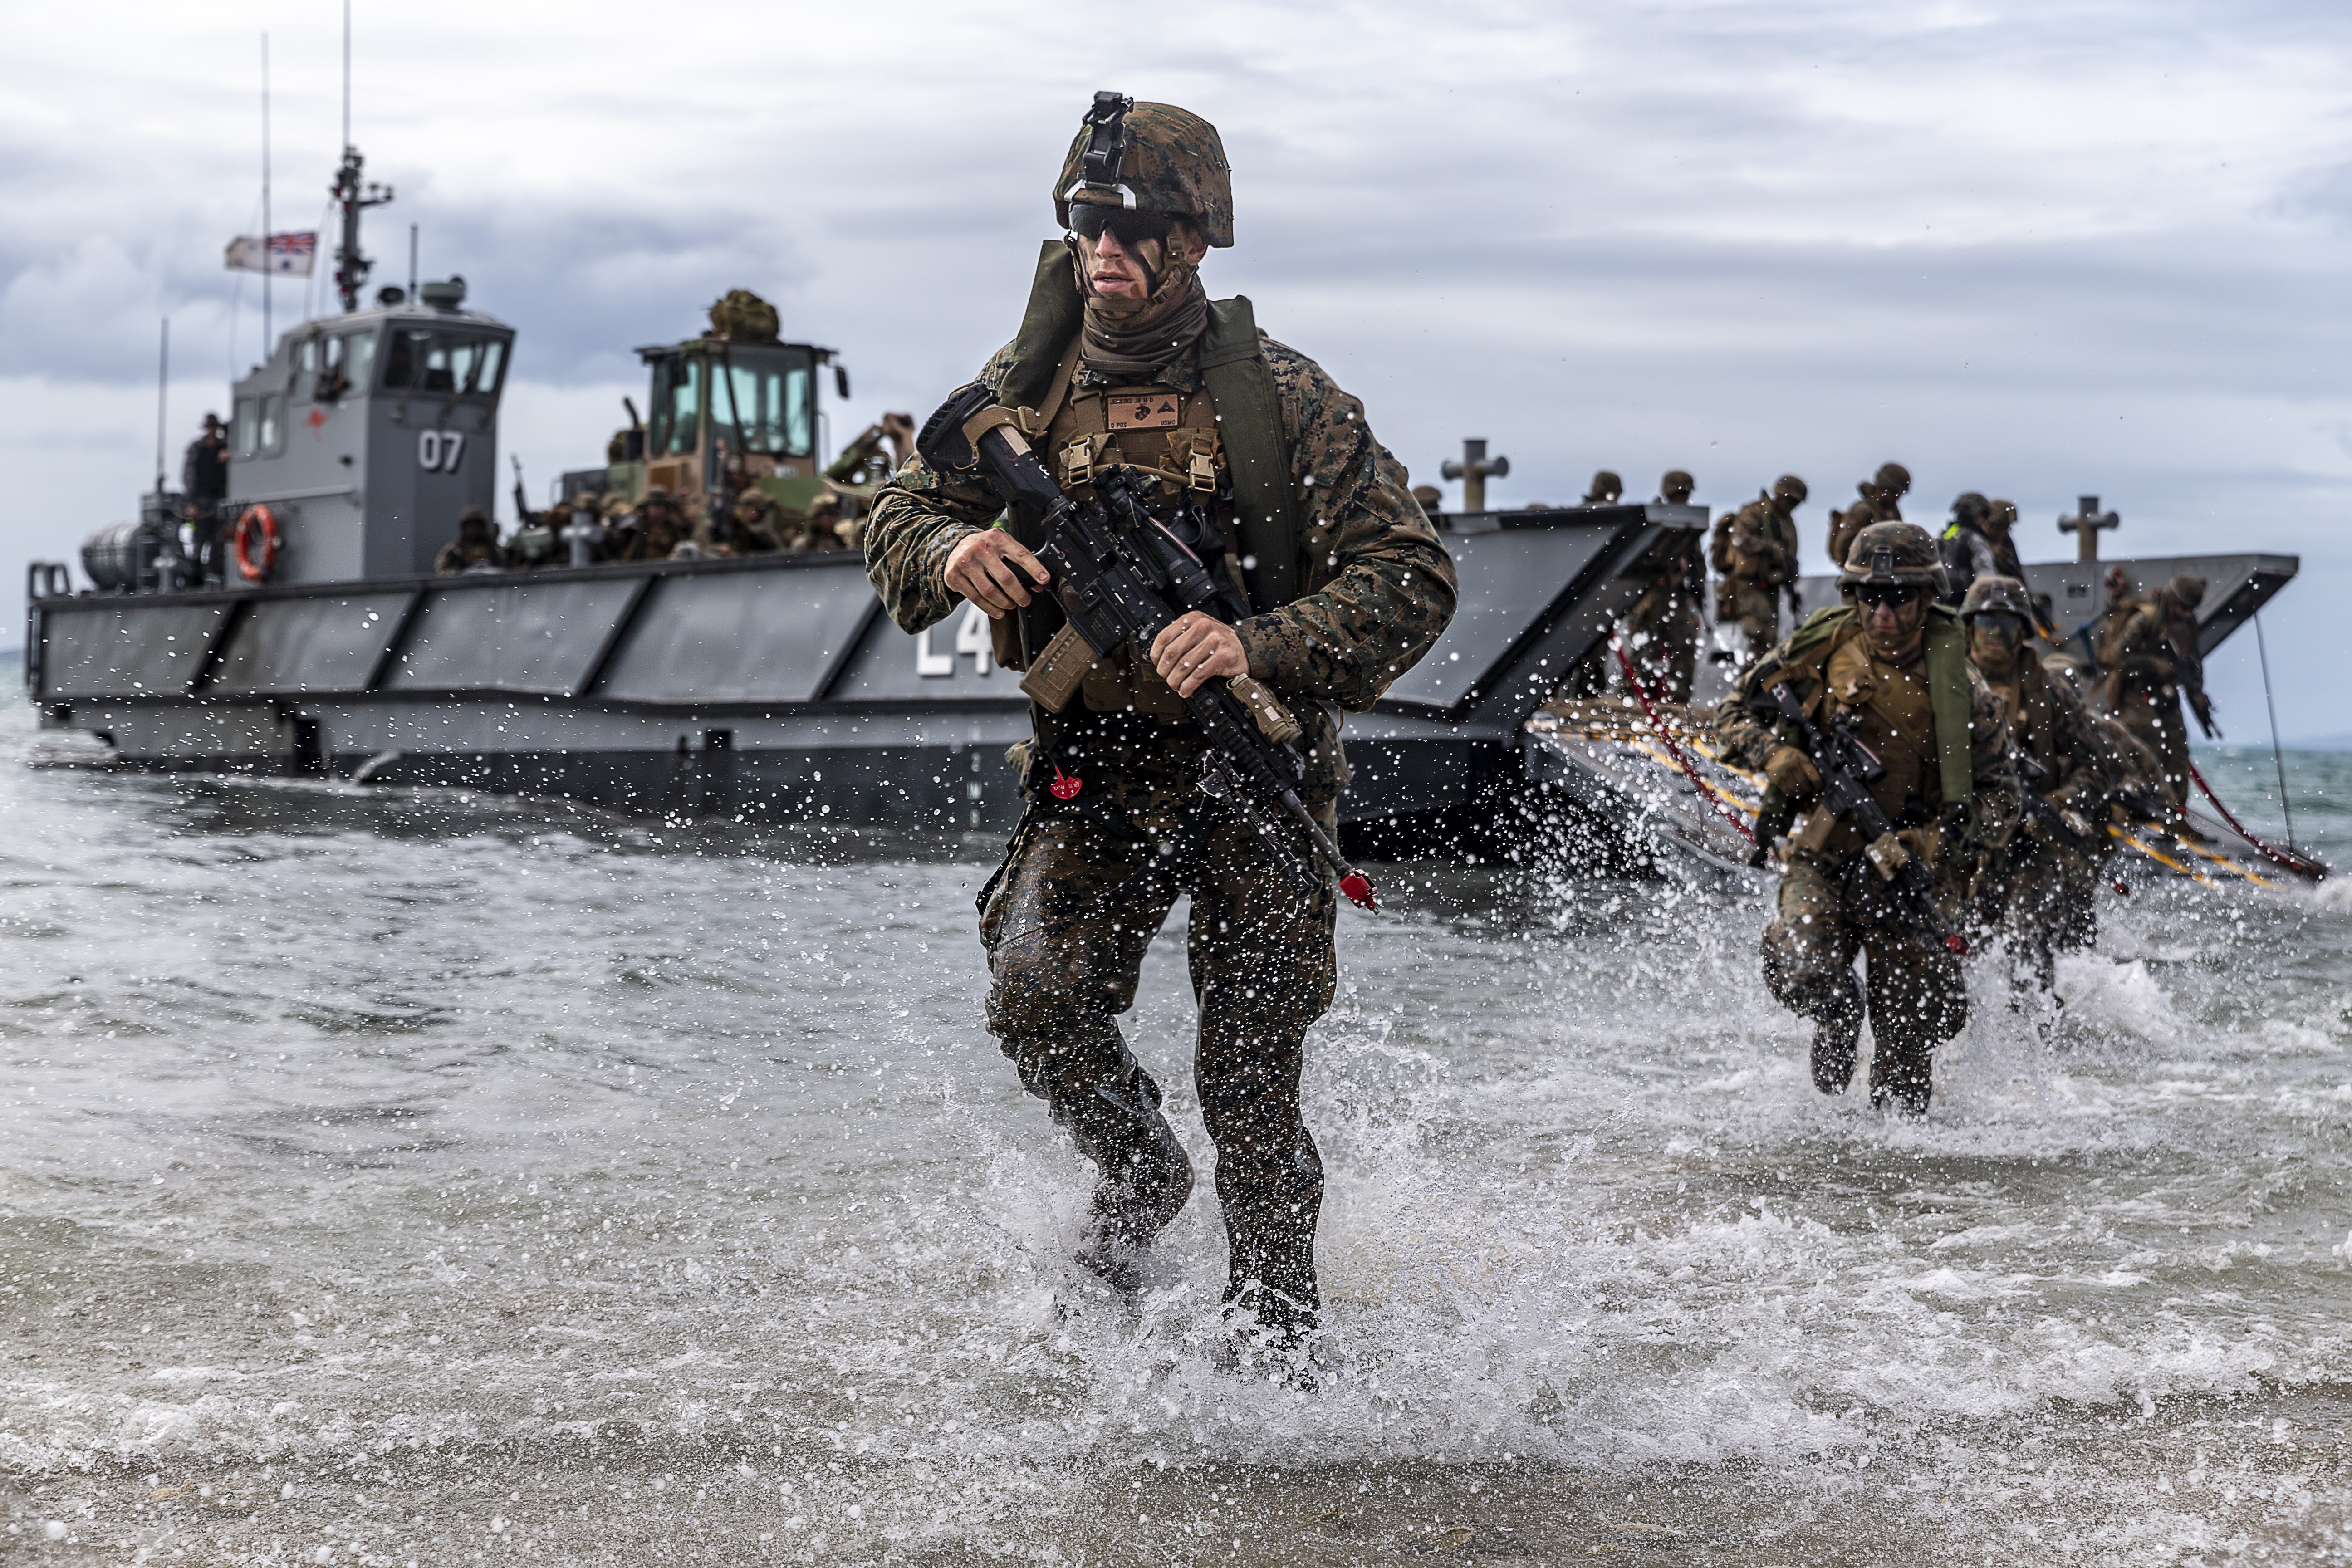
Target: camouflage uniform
{"x":2148,"y":649}
{"x":1661,"y":628}
{"x":476,"y":547}
{"x":1087,"y":881}
{"x":1832,"y":903}
{"x":2045,"y":894}
{"x":1974,"y":546}
{"x":1754,"y":548}
{"x":748,"y":526}
{"x":654,"y":531}
{"x":1882,"y":495}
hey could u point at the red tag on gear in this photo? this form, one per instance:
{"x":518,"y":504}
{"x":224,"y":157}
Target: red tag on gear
{"x":1359,"y":888}
{"x":1065,"y":787}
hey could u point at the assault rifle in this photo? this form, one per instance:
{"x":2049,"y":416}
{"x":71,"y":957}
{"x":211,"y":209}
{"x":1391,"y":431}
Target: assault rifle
{"x":1847,"y":771}
{"x":1123,"y":577}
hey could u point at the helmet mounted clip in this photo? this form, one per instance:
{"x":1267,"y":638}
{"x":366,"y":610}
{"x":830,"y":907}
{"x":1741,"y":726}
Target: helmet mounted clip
{"x":1106,"y":125}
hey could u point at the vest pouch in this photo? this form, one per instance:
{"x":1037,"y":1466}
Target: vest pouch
{"x":1004,"y":641}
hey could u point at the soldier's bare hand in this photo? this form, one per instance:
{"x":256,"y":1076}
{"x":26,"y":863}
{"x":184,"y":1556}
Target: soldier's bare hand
{"x":1195,"y":647}
{"x":987,"y":567}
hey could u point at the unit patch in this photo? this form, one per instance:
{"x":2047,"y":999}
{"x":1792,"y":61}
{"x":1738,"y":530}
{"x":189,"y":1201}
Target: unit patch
{"x":1144,"y":411}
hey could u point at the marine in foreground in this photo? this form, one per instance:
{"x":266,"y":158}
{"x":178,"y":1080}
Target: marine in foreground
{"x":1325,"y":582}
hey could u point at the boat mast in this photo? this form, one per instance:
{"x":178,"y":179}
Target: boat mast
{"x":351,"y":194}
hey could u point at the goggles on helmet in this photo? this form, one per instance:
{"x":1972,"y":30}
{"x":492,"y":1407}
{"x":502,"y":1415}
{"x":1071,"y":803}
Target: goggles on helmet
{"x":1126,"y":224}
{"x":1879,"y":596}
{"x":2007,"y":622}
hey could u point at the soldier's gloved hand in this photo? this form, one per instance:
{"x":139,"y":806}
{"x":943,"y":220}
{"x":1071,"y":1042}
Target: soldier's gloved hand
{"x":1790,"y":770}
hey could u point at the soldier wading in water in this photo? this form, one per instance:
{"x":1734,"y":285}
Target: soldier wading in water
{"x":1893,"y":665}
{"x":1122,"y":358}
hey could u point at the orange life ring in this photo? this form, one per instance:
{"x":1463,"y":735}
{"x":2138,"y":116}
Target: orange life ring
{"x":254,"y":517}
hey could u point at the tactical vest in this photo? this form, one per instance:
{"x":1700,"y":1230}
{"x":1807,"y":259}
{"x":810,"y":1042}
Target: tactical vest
{"x":1946,"y":664}
{"x":1227,"y":435}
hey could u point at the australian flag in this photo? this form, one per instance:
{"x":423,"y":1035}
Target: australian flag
{"x":287,"y":253}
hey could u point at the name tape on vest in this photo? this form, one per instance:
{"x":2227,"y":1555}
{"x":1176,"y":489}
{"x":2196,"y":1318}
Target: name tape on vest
{"x":1148,"y":411}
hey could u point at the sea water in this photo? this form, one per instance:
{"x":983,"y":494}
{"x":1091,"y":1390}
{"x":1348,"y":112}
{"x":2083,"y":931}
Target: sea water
{"x":417,"y":1178}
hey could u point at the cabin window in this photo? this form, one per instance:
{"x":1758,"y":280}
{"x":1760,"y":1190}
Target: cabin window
{"x":248,"y":425}
{"x":272,"y":434}
{"x":677,"y":406}
{"x":306,"y":364}
{"x":450,"y":364}
{"x":359,"y":358}
{"x":766,"y":396}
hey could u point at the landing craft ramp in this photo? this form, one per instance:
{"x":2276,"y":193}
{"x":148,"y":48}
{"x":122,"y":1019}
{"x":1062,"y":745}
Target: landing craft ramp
{"x":768,"y":687}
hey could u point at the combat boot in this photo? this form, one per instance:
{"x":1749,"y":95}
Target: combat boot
{"x":1902,"y":1076}
{"x":1837,"y":1034}
{"x":1146,"y":1176}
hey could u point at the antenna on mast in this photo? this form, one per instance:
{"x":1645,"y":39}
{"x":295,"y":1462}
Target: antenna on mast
{"x":266,"y":258}
{"x":162,"y":389}
{"x":352,"y":193}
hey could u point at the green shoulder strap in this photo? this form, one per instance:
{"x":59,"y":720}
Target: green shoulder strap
{"x":1947,"y":694}
{"x":1819,"y":628}
{"x":1233,"y":364}
{"x":1047,"y":326}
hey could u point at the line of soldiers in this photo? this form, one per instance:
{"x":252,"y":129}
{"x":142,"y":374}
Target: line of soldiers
{"x":658,"y":526}
{"x":1997,"y":774}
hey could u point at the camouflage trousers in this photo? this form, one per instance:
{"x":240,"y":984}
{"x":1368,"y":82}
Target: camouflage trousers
{"x":1757,"y":609}
{"x":2046,"y":905}
{"x":1664,"y":647}
{"x":2154,"y":718}
{"x":1830,"y":914}
{"x":1084,"y":887}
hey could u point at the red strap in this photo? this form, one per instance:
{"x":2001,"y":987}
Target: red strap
{"x":1658,"y":728}
{"x":2288,"y":858}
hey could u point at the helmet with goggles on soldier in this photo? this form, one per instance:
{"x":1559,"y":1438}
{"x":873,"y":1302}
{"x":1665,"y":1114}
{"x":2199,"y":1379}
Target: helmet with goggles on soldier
{"x":1891,"y":561}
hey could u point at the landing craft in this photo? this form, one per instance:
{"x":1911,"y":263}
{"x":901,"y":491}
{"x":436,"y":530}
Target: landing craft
{"x":315,"y":641}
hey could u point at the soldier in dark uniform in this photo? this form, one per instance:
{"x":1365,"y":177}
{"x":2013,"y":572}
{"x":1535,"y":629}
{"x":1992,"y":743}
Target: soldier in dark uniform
{"x":2044,"y":894}
{"x":1123,"y":358}
{"x":748,"y":525}
{"x":1895,"y":663}
{"x":1661,"y":628}
{"x":475,"y":547}
{"x":2148,"y":649}
{"x":1754,"y":548}
{"x":203,"y":479}
{"x":1976,"y":543}
{"x":1882,"y":496}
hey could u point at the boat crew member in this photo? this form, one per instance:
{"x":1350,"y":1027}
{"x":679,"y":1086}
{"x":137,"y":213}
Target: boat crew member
{"x":203,"y":479}
{"x":2044,"y":896}
{"x":1893,"y":663}
{"x":1661,"y":628}
{"x":1123,"y":358}
{"x":1882,"y":497}
{"x":1975,"y":545}
{"x":1604,"y":491}
{"x":475,"y":547}
{"x":2148,"y":649}
{"x":1754,"y":548}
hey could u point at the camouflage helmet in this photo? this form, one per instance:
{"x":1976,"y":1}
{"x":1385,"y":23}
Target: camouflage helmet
{"x":2186,"y":591}
{"x":1153,"y":157}
{"x":1606,"y":486}
{"x":1995,"y":595}
{"x":1676,"y":486}
{"x":1892,"y":476}
{"x":1893,"y":553}
{"x":1431,"y":498}
{"x":1971,"y":508}
{"x":2004,"y":514}
{"x":473,"y":514}
{"x":1791,"y":489}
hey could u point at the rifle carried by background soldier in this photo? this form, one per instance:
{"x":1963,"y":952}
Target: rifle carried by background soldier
{"x":1847,"y":771}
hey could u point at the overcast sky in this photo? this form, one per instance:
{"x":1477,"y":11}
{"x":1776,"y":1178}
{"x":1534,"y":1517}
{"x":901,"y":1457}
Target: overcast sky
{"x":2032,"y":250}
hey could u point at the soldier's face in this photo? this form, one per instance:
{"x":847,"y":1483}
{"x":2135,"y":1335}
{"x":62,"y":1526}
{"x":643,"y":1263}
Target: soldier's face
{"x":1118,"y":270}
{"x":1992,"y":641}
{"x":1892,"y":621}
